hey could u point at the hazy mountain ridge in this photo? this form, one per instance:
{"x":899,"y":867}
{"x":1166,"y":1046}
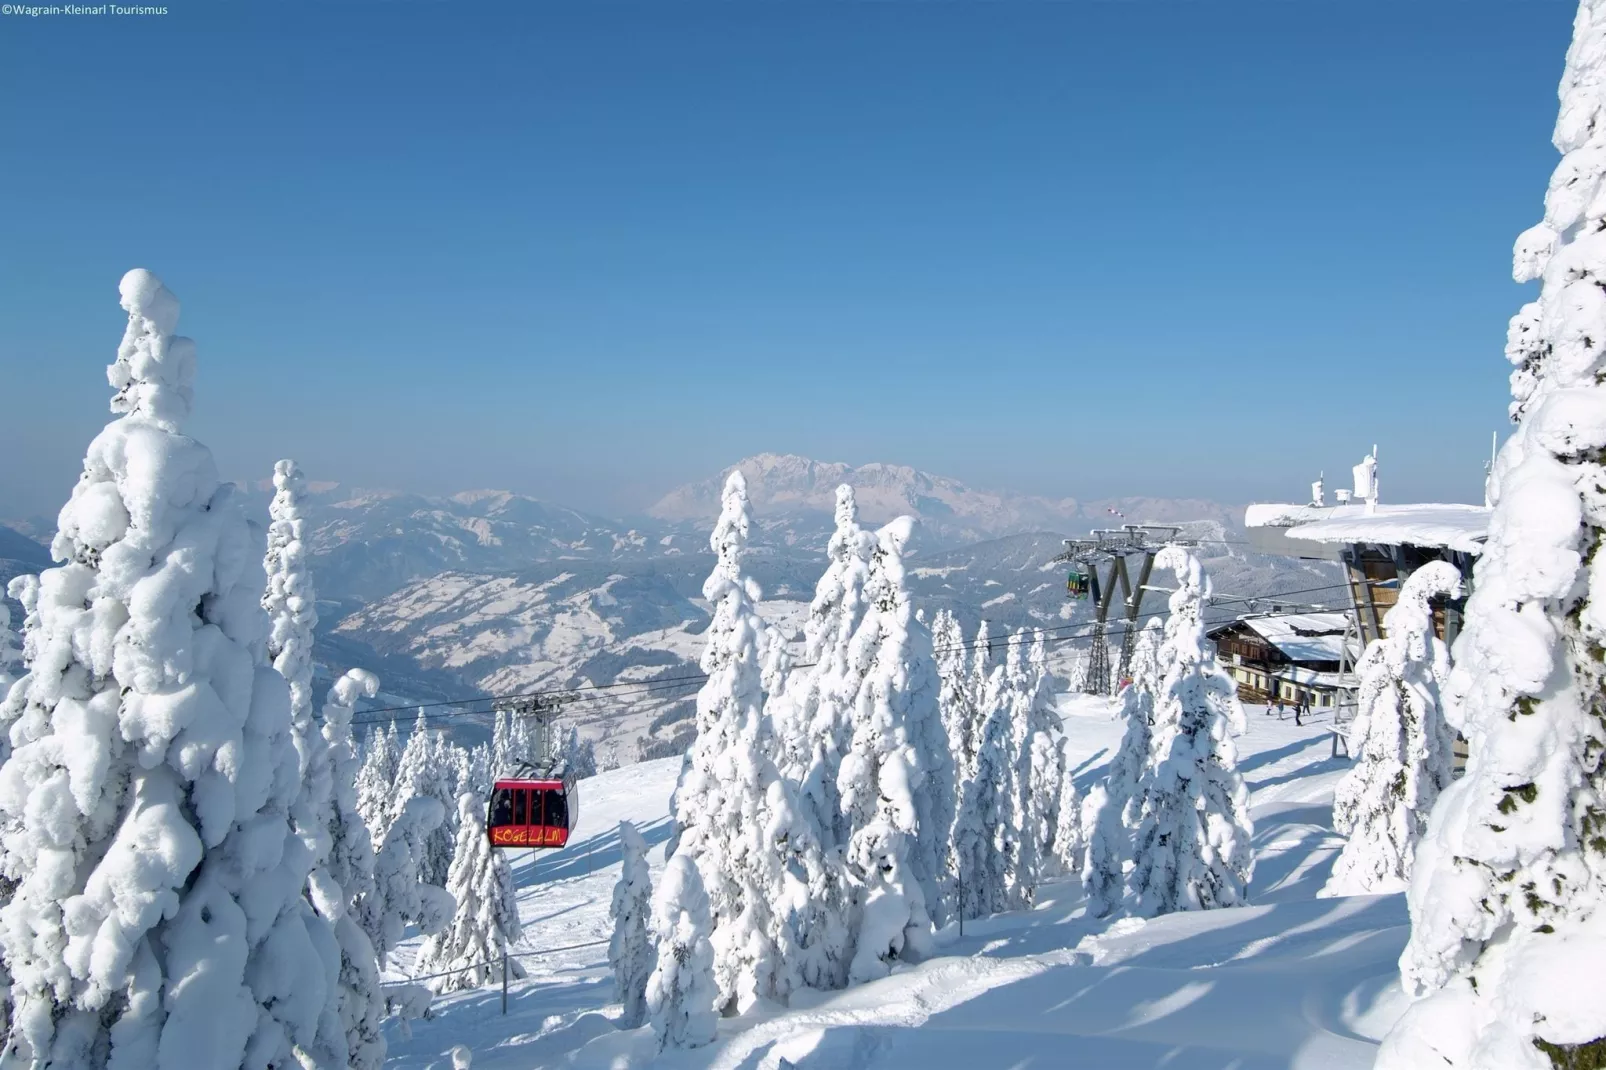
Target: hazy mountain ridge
{"x":491,"y":592}
{"x":952,"y":512}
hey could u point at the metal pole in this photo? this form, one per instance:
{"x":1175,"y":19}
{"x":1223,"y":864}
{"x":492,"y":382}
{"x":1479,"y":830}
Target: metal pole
{"x":504,"y":980}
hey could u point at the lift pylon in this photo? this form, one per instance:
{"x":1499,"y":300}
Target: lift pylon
{"x":541,"y":713}
{"x":1109,"y":548}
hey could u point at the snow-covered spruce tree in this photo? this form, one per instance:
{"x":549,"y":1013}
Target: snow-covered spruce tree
{"x":10,"y":652}
{"x":1193,"y":848}
{"x":479,"y":774}
{"x":460,"y":762}
{"x":579,"y":756}
{"x":1145,"y":669}
{"x":630,"y":949}
{"x":401,"y":896}
{"x":376,"y":781}
{"x":158,"y":917}
{"x":985,"y":689}
{"x":811,"y":718}
{"x":983,"y":837}
{"x":342,"y":886}
{"x":1047,"y":757}
{"x":1078,"y":674}
{"x":427,"y":769}
{"x":25,"y":589}
{"x":954,"y":699}
{"x":822,"y":701}
{"x":486,"y":921}
{"x":981,"y":673}
{"x":896,"y":779}
{"x":1508,"y":895}
{"x":732,"y":815}
{"x":1401,"y":741}
{"x":681,"y":993}
{"x":501,"y":728}
{"x":291,"y":603}
{"x":1025,"y":801}
{"x":1113,"y":808}
{"x":1068,"y":848}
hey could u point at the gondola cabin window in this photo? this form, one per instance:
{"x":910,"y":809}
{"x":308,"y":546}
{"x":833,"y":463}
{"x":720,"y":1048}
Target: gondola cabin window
{"x":532,"y":813}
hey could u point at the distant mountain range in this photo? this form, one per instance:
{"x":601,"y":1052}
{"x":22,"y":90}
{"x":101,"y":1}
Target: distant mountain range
{"x":489,"y":592}
{"x":801,"y":490}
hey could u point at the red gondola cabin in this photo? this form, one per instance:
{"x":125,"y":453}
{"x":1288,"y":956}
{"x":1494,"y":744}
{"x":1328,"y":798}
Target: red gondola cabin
{"x":538,"y":812}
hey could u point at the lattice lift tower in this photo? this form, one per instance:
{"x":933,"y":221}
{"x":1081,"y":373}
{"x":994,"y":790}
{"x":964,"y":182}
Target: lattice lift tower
{"x":1115,"y":545}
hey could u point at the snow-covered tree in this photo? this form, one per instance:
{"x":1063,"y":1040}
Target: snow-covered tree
{"x":486,"y":921}
{"x":954,"y":700}
{"x":501,"y":741}
{"x":478,"y":775}
{"x":681,"y":993}
{"x":1114,"y":807}
{"x":401,"y":896}
{"x":1068,"y":848}
{"x":1145,"y":670}
{"x":1508,"y":895}
{"x":1078,"y":672}
{"x":341,"y":886}
{"x":984,"y":836}
{"x":1401,"y":741}
{"x":821,"y":701}
{"x":158,"y":918}
{"x":427,"y":769}
{"x":579,"y":756}
{"x":1193,"y":848}
{"x":376,"y":781}
{"x":25,"y":589}
{"x":981,"y":672}
{"x":896,"y":779}
{"x":1046,"y":755}
{"x":10,"y":652}
{"x":291,"y":603}
{"x":630,"y":950}
{"x":811,"y":718}
{"x":734,"y":817}
{"x":1027,"y":793}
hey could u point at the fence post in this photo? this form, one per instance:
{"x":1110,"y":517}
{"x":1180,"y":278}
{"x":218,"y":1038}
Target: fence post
{"x":504,"y":980}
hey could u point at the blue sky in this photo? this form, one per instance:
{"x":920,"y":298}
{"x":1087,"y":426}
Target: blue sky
{"x":588,"y":251}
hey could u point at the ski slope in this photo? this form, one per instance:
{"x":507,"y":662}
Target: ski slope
{"x":1290,"y":982}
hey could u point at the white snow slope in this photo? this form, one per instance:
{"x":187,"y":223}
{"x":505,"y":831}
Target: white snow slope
{"x":1291,"y":981}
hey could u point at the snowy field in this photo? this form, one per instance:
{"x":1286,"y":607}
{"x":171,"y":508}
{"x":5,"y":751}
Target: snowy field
{"x":1291,"y":981}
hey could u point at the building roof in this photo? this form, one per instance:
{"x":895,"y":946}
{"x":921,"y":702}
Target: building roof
{"x":1448,"y":526}
{"x":1299,"y":636}
{"x":1296,"y":674}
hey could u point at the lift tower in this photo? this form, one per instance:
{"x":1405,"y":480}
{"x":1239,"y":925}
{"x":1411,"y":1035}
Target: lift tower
{"x":1113,"y":546}
{"x":541,"y":712}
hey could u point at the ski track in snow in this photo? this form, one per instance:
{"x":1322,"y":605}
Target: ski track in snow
{"x":1290,"y":981}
